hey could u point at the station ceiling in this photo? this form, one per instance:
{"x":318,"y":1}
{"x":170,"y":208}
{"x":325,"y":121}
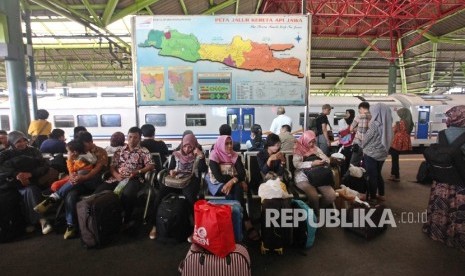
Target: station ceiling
{"x":86,"y":43}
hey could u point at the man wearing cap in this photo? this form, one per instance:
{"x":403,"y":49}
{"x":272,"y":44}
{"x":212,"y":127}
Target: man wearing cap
{"x":23,"y":165}
{"x":322,"y":126}
{"x":279,"y":121}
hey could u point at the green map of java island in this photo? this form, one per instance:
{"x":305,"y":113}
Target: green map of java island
{"x":239,"y":54}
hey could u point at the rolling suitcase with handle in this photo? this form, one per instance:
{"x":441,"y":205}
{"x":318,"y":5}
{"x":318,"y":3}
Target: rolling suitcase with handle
{"x":201,"y":262}
{"x":99,"y":217}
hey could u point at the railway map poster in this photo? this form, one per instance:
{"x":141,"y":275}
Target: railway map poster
{"x":226,"y":59}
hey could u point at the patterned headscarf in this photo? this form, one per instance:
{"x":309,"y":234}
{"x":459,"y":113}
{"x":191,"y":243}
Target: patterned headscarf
{"x":382,"y":117}
{"x":219,"y":153}
{"x":183,"y":157}
{"x":302,"y":146}
{"x":406,"y":116}
{"x":117,"y":139}
{"x":456,"y":116}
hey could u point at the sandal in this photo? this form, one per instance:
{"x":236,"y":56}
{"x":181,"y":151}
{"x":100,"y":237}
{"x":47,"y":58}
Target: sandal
{"x":153,"y":233}
{"x":252,"y":234}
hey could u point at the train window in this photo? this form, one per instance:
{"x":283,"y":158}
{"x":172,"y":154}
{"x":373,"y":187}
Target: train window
{"x":248,"y":121}
{"x":110,"y":120}
{"x":337,"y":117}
{"x":196,"y":119}
{"x":155,"y":119}
{"x":63,"y":121}
{"x":232,"y":119}
{"x":5,"y":122}
{"x":87,"y":120}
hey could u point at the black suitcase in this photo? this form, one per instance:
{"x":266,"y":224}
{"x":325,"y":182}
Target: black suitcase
{"x":275,"y":238}
{"x":366,"y":231}
{"x":100,"y":218}
{"x":12,"y":221}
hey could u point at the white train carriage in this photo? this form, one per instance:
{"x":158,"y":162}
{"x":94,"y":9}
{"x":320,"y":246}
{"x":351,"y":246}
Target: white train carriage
{"x":105,"y":111}
{"x":205,"y":120}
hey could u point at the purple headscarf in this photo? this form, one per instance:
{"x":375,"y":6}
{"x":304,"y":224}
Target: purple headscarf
{"x":219,"y":153}
{"x":183,"y":157}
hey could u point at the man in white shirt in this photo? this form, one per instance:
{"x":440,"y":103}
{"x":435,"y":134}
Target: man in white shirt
{"x":279,"y":121}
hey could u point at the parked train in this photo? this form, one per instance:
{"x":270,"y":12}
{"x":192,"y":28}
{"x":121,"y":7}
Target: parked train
{"x":105,"y":111}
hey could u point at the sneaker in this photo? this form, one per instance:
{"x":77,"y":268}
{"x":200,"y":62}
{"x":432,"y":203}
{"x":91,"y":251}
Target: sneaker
{"x":46,"y":228}
{"x":42,"y":207}
{"x":70,"y":232}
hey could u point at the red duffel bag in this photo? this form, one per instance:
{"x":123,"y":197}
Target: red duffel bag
{"x":213,"y":228}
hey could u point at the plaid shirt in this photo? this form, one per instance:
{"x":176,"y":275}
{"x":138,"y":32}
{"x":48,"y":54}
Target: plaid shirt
{"x":360,"y":124}
{"x":126,"y":161}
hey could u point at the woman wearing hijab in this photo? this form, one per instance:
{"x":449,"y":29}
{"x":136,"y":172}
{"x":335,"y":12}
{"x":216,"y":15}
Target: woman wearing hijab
{"x":117,"y":140}
{"x":182,"y":163}
{"x":401,"y":141}
{"x":446,"y":208}
{"x":346,"y":138}
{"x":375,"y":147}
{"x":226,"y":177}
{"x":305,"y":149}
{"x":25,"y":165}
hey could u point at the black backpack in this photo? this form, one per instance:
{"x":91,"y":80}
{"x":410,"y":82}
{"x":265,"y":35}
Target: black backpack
{"x":445,"y":160}
{"x":423,"y":174}
{"x":172,"y":219}
{"x":312,"y":124}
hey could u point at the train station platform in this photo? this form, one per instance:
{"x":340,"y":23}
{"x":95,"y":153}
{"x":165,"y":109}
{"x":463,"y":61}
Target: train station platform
{"x":403,"y":250}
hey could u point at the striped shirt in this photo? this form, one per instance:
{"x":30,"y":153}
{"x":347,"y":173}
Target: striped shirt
{"x":360,"y":124}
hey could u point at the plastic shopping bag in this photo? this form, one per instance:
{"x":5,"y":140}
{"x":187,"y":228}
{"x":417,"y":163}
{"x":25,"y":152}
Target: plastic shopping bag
{"x":213,"y":228}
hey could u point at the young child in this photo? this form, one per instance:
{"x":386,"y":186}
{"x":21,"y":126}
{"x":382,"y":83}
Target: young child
{"x":78,"y":162}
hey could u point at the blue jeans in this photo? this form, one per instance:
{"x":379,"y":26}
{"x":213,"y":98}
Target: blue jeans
{"x":73,"y":196}
{"x":63,"y":191}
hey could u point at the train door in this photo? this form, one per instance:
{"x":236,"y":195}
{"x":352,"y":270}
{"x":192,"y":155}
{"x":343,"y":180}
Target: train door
{"x":423,"y":122}
{"x":240,"y":120}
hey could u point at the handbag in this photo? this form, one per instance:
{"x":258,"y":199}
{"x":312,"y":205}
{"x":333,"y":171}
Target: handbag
{"x":213,"y":228}
{"x":177,"y":182}
{"x":180,"y":181}
{"x":319,"y":176}
{"x":46,"y":180}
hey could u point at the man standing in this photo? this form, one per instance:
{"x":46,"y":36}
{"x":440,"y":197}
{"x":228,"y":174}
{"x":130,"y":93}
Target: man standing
{"x":279,"y":121}
{"x":322,"y":126}
{"x":128,"y":165}
{"x":359,"y":126}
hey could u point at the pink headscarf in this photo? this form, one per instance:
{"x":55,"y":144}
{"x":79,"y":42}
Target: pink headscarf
{"x":219,"y":153}
{"x":302,"y":147}
{"x":184,"y":158}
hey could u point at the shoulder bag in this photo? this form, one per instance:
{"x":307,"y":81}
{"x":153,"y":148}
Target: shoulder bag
{"x":180,"y":181}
